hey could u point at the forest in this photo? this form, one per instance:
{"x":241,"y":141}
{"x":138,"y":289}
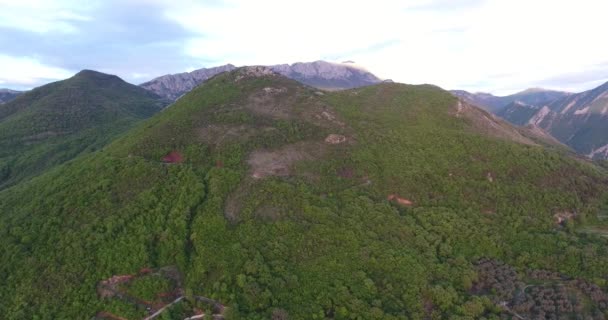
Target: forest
{"x":262,"y":214}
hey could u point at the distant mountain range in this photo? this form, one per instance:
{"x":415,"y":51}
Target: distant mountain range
{"x":578,"y":120}
{"x":319,"y":74}
{"x":7,"y":95}
{"x":495,"y":104}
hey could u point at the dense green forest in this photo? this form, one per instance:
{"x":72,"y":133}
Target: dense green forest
{"x":56,"y":122}
{"x":273,"y":198}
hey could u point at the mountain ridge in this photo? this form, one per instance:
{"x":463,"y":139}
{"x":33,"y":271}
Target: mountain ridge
{"x":495,"y":104}
{"x":320,"y":74}
{"x":577,"y":120}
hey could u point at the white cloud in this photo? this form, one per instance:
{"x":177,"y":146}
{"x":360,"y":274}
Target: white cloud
{"x":25,"y":73}
{"x":493,"y":45}
{"x":43,"y":16}
{"x":499,"y":46}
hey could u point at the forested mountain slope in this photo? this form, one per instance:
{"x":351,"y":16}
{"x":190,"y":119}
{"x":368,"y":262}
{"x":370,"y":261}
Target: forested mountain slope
{"x":385,"y":202}
{"x":56,"y":122}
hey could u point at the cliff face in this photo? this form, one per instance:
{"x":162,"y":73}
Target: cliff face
{"x":320,"y":74}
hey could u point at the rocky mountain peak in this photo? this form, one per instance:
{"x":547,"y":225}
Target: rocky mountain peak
{"x":320,"y":74}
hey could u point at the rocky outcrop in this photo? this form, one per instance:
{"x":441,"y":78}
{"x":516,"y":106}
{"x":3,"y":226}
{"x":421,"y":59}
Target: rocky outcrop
{"x":319,"y":74}
{"x":173,"y":86}
{"x":328,"y":75}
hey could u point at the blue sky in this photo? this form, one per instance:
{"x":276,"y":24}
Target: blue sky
{"x":498,"y":46}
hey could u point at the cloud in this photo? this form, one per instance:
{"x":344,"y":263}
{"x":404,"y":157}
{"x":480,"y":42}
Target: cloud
{"x":449,"y":43}
{"x":26,"y":73}
{"x":126,"y":38}
{"x":42,"y":16}
{"x":480,"y":45}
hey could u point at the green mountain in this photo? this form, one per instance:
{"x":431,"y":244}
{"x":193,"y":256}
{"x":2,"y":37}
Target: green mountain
{"x":269,"y":199}
{"x":56,"y":122}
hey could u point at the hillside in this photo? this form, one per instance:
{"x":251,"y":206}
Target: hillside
{"x":319,"y":74}
{"x":518,"y":113}
{"x":279,"y":201}
{"x":7,"y":95}
{"x":56,"y":122}
{"x":496,"y":104}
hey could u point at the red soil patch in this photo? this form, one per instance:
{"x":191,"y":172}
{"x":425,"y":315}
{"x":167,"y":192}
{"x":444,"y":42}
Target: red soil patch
{"x":399,"y":200}
{"x":145,"y":270}
{"x":173,"y":157}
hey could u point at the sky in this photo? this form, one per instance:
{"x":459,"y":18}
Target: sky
{"x":497,"y":46}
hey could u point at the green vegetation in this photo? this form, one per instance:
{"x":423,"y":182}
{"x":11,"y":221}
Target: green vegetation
{"x":312,"y":235}
{"x":56,"y":122}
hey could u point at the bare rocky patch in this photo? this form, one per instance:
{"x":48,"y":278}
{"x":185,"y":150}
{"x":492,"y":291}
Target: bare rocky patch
{"x":335,"y":138}
{"x":280,"y":162}
{"x":217,"y":134}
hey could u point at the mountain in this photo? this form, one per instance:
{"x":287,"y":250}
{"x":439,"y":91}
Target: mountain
{"x":256,"y":197}
{"x":494,"y":104}
{"x":518,"y":113}
{"x":320,"y":74}
{"x":580,"y":121}
{"x":7,"y":95}
{"x":327,"y":75}
{"x":54,"y":123}
{"x":577,"y":120}
{"x":173,"y":86}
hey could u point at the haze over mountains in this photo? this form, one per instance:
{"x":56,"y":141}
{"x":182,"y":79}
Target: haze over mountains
{"x":7,"y":95}
{"x":578,"y":120}
{"x":494,"y":104}
{"x":255,"y":196}
{"x":320,"y":74}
